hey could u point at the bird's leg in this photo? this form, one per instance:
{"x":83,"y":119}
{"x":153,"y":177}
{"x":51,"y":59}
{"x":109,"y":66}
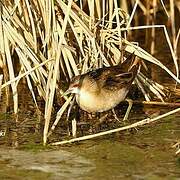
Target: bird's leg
{"x":115,"y":116}
{"x":102,"y":119}
{"x":130,"y":102}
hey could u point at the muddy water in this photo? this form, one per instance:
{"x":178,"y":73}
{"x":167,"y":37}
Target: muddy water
{"x":54,"y":164}
{"x":144,"y":153}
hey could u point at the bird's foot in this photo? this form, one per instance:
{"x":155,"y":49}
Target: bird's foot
{"x":115,"y":116}
{"x":102,"y":119}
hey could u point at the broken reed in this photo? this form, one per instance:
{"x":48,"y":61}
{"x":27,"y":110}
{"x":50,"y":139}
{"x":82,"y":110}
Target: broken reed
{"x":55,"y":40}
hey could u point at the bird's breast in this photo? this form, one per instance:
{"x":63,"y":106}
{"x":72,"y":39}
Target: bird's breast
{"x":102,"y":101}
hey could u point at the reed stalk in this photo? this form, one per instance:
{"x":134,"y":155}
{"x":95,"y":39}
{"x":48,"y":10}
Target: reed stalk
{"x":1,"y":80}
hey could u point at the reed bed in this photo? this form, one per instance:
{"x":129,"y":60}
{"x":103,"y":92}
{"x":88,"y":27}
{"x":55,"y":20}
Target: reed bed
{"x":1,"y":78}
{"x":52,"y":41}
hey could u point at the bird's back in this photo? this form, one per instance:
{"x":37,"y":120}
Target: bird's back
{"x":115,"y":77}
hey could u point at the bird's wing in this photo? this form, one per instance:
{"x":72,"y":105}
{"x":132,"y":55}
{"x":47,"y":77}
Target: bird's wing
{"x":117,"y":81}
{"x":114,"y":77}
{"x":111,"y":78}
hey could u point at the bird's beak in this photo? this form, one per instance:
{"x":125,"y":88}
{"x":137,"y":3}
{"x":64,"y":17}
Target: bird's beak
{"x":68,"y":91}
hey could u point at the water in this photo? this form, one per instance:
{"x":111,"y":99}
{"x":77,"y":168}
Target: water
{"x":143,"y":153}
{"x":52,"y":164}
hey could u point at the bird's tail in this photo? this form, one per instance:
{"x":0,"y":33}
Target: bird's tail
{"x":133,"y":63}
{"x":135,"y":68}
{"x":130,"y":62}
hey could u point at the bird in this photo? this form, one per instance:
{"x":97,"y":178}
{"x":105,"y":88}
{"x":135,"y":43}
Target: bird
{"x":104,"y":88}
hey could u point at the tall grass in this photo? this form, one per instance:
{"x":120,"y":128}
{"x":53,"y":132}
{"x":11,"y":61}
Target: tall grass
{"x":52,"y":41}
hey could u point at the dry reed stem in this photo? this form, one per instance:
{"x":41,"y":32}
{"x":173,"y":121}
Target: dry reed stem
{"x":25,"y":74}
{"x":74,"y":127}
{"x":3,"y":58}
{"x":164,"y":7}
{"x":173,"y":27}
{"x":49,"y":100}
{"x":1,"y":80}
{"x":14,"y":37}
{"x":134,"y":125}
{"x":142,"y":7}
{"x":32,"y":24}
{"x":177,"y":145}
{"x":157,"y":103}
{"x":132,"y":14}
{"x":141,"y":87}
{"x":59,"y":114}
{"x":176,"y":42}
{"x":116,"y":10}
{"x":11,"y":72}
{"x":146,"y":56}
{"x":167,"y":39}
{"x":152,"y":48}
{"x":151,"y":86}
{"x":178,"y":151}
{"x":98,"y":8}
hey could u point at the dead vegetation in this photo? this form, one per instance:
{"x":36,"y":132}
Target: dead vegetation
{"x":46,"y":43}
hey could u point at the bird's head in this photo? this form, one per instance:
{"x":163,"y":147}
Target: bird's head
{"x":74,"y":86}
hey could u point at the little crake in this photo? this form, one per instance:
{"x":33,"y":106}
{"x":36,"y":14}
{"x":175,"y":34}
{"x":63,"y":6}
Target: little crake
{"x":102,"y":89}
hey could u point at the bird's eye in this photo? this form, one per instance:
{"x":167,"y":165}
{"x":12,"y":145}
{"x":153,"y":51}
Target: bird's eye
{"x":76,"y":85}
